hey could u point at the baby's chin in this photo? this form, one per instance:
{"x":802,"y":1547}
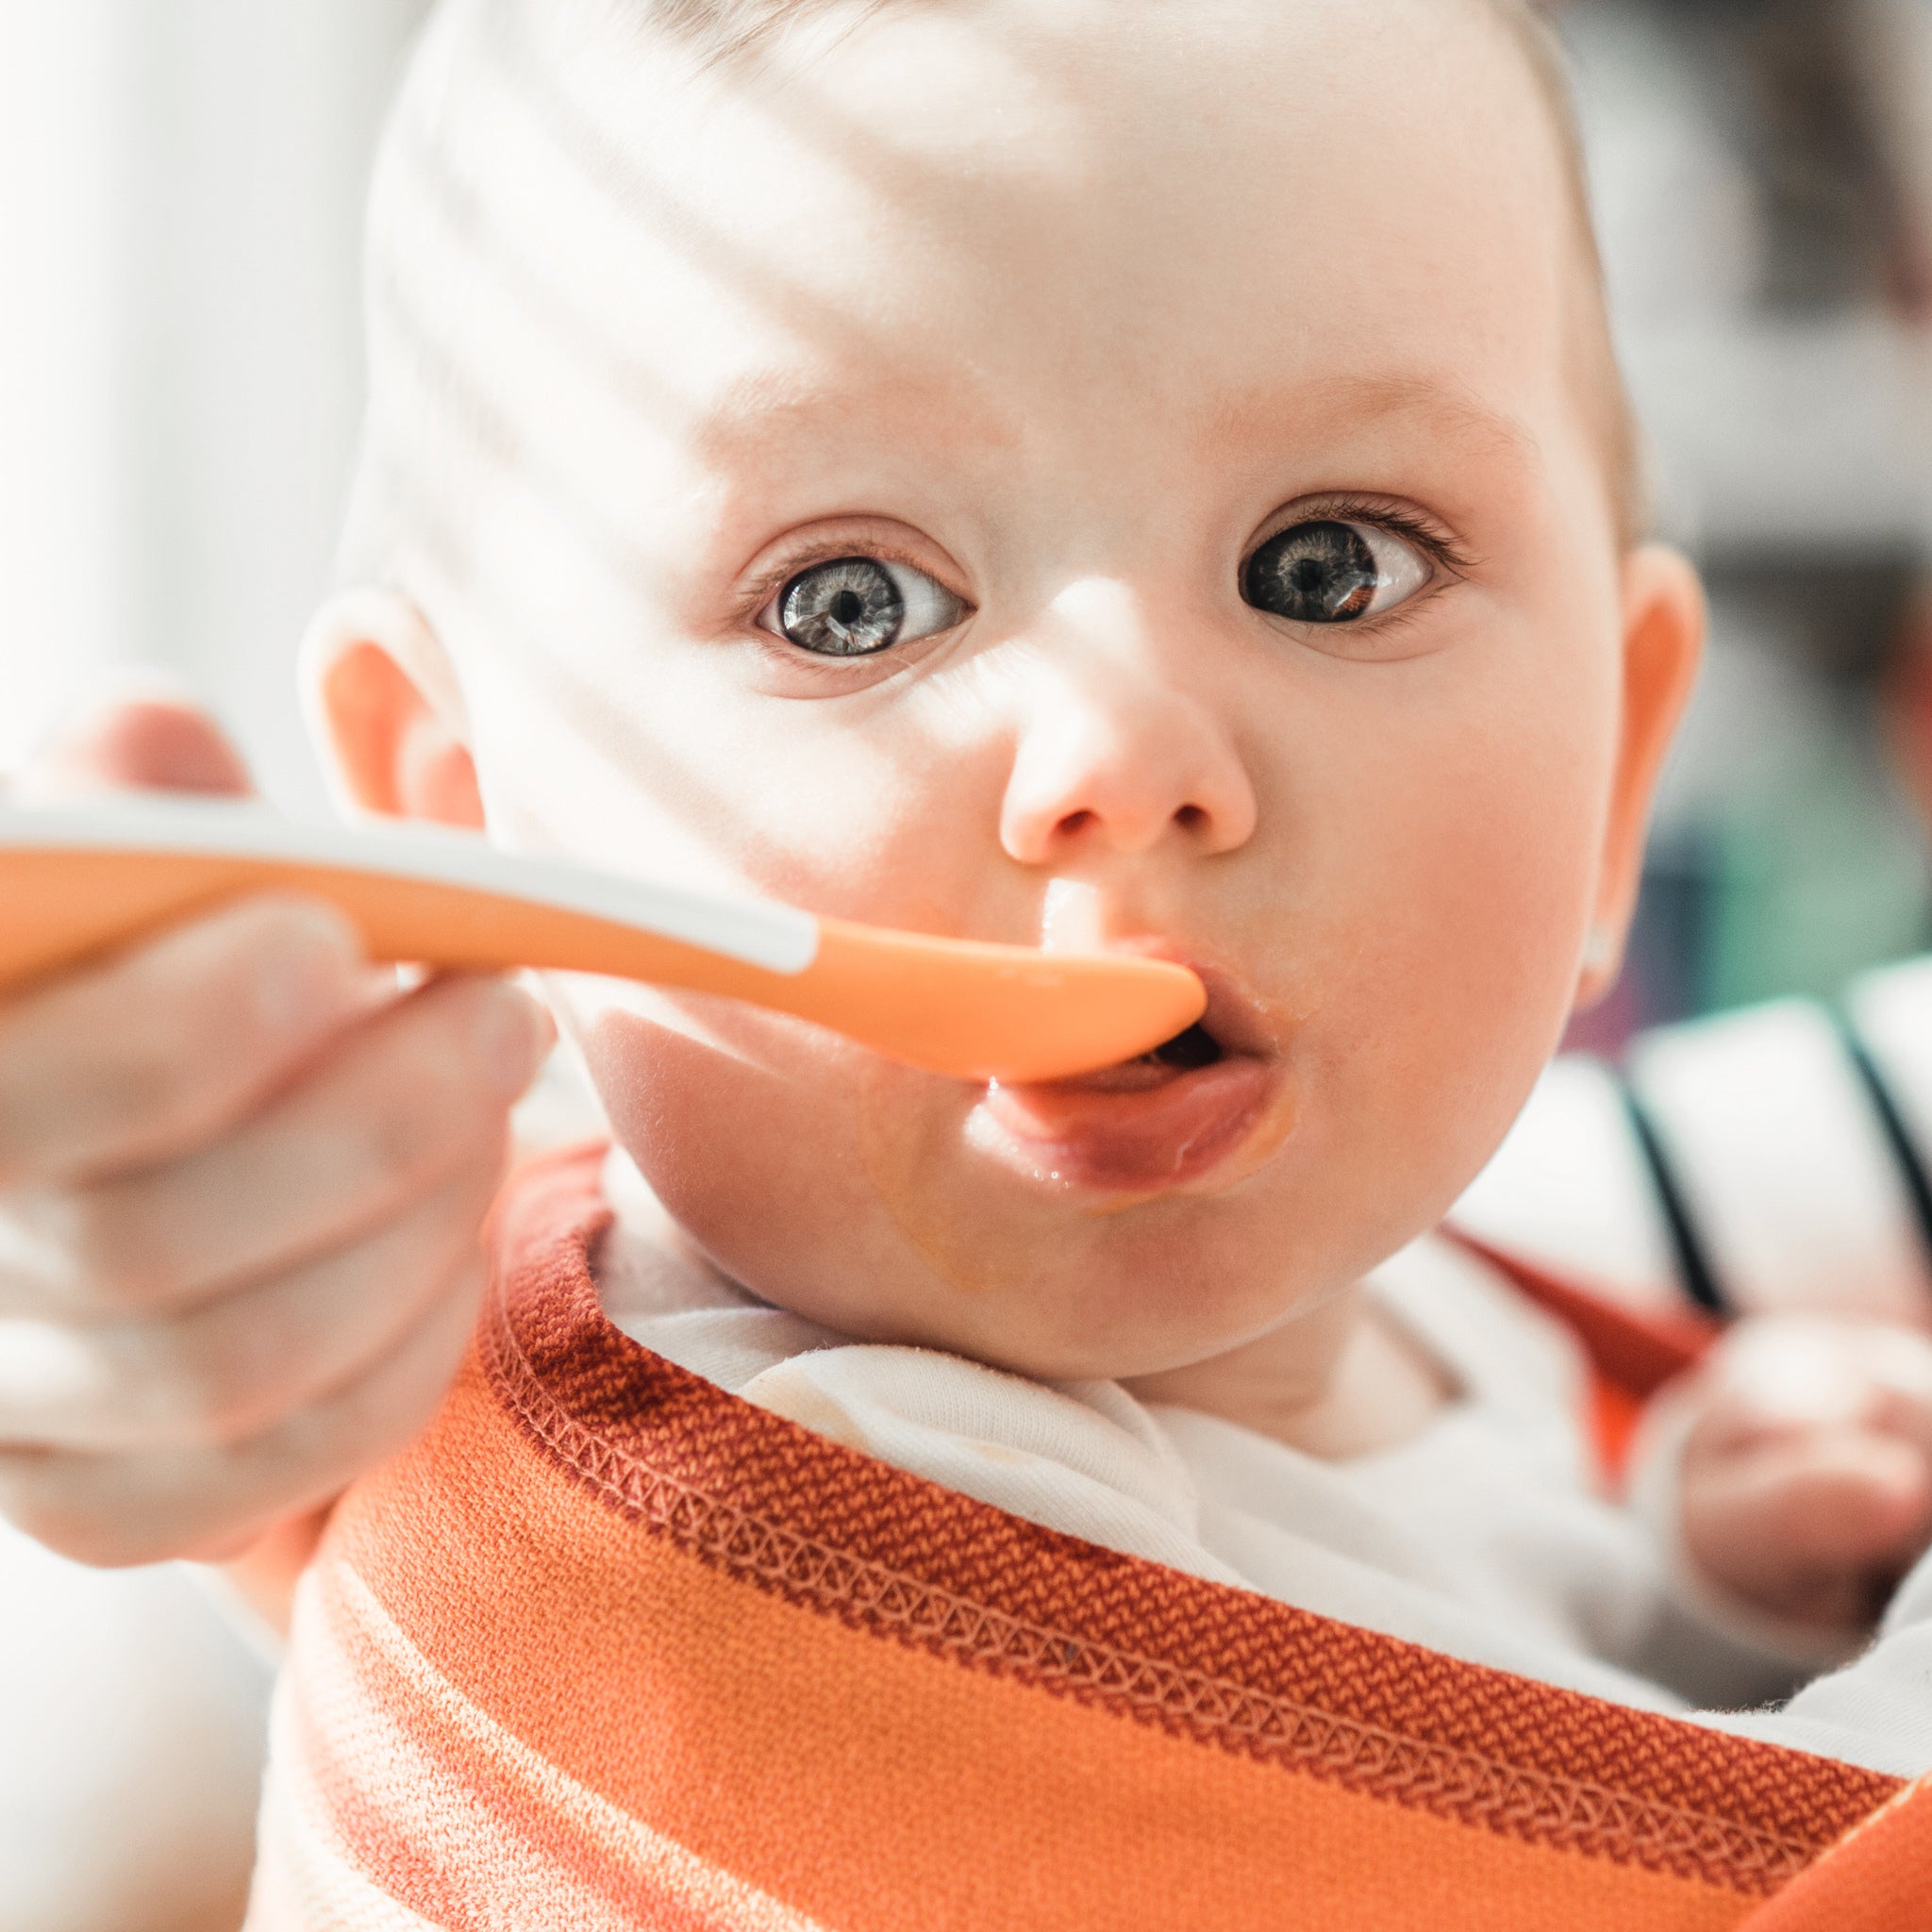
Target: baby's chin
{"x":862,"y":1195}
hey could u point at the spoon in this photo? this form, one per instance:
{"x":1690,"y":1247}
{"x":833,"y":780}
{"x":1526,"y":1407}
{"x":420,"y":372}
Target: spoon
{"x":77,"y":882}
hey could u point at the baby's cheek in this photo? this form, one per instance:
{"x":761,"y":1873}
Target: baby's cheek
{"x":1454,"y":968}
{"x":747,"y":1129}
{"x":711,"y":1118}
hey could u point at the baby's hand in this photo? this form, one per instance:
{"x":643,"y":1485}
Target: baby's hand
{"x":1807,"y":1478}
{"x":241,"y":1185}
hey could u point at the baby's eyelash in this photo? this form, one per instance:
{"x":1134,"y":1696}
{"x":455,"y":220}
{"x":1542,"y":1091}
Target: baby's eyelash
{"x":1428,"y":537}
{"x":759,"y":591}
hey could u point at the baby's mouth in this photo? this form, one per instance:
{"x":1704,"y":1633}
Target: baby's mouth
{"x":1152,"y":1124}
{"x":1186,"y":1053}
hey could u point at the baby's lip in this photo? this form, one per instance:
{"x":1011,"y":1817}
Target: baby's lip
{"x":1151,"y":1125}
{"x":1235,"y":1022}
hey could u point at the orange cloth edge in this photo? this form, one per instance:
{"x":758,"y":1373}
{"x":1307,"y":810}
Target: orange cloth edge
{"x":1878,"y":1878}
{"x":1630,"y":1355}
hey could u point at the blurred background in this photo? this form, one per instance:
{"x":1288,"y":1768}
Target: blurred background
{"x":180,"y":193}
{"x":181,"y":184}
{"x":180,"y":188}
{"x":1763,"y":174}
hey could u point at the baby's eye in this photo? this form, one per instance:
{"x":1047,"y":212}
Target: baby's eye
{"x":858,"y":607}
{"x":1333,"y":573}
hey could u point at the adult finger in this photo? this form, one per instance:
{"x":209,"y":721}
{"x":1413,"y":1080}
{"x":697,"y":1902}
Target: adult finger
{"x":209,"y":1503}
{"x":402,"y":1104}
{"x":230,"y":1369}
{"x":138,"y":1060}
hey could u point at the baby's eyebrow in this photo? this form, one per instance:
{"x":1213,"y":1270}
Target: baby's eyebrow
{"x":1437,"y":406}
{"x":770,"y":409}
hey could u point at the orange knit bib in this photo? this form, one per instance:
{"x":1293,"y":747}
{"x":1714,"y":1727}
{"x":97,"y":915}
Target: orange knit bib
{"x":609,"y":1648}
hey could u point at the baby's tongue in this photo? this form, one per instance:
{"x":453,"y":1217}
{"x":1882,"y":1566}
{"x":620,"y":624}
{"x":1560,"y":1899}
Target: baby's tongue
{"x":1130,"y":1076}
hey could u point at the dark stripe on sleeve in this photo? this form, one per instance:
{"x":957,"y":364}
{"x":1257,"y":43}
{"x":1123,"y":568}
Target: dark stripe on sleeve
{"x":1693,"y":1260}
{"x":1912,"y":1164}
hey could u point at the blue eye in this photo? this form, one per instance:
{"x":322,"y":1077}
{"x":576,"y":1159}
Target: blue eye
{"x":1333,"y":573}
{"x":858,"y":607}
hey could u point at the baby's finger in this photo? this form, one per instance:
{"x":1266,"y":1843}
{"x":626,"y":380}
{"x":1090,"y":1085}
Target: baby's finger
{"x":404,"y":1104}
{"x":1774,"y":1376}
{"x":146,"y":1057}
{"x":211,"y":1503}
{"x":231,"y":1369}
{"x":1811,"y":1523}
{"x":1898,"y":1363}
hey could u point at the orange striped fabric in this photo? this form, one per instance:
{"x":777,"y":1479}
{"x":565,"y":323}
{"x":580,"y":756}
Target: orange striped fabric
{"x":609,"y":1648}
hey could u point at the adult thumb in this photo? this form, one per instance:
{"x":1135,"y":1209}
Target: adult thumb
{"x":133,"y":738}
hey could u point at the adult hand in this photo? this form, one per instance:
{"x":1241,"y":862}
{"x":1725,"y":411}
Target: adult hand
{"x":242,"y":1181}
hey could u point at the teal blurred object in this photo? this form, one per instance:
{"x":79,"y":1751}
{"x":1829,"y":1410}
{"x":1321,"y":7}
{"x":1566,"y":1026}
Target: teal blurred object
{"x":1813,"y":879}
{"x":1804,"y":870}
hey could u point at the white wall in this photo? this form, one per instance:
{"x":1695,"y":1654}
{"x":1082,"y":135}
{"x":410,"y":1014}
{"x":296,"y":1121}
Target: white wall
{"x":180,"y":197}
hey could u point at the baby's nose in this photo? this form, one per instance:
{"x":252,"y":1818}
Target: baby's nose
{"x":1119,"y":751}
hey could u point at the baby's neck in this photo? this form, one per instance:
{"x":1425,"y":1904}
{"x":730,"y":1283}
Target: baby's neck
{"x":1342,"y":1380}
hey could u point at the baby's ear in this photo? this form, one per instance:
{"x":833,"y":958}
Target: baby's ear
{"x":1664,"y":623}
{"x":383,"y":705}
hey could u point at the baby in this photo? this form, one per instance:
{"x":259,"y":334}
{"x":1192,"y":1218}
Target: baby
{"x":1124,"y":474}
{"x":814,"y":549}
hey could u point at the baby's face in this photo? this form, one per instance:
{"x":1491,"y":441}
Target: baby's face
{"x":1114,"y":476}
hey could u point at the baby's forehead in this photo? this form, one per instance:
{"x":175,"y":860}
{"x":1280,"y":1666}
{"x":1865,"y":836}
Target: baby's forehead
{"x":907,"y":95}
{"x":969,"y":214}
